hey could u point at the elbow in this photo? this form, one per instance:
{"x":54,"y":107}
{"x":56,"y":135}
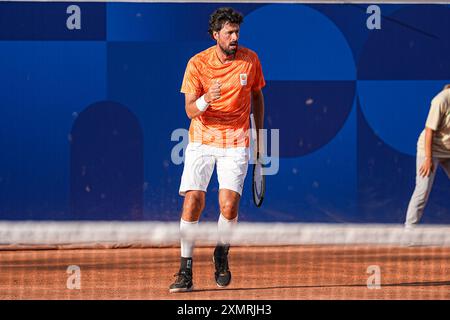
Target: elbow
{"x":192,"y":111}
{"x":190,"y":115}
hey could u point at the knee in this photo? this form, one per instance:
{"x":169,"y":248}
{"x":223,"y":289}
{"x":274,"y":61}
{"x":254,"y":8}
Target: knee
{"x":193,"y":206}
{"x":229,"y":209}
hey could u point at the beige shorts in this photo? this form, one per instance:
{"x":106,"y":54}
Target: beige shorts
{"x":199,"y":162}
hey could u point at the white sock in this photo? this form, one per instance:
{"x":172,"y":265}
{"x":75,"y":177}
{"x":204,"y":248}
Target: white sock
{"x":187,"y":246}
{"x":225,"y":226}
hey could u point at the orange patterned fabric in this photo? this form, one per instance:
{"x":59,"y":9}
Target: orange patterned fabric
{"x":226,"y":121}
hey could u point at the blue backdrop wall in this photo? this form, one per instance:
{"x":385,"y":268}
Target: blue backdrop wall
{"x":86,"y":115}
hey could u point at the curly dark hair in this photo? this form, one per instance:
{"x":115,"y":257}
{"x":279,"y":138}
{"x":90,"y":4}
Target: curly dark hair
{"x":221,"y":16}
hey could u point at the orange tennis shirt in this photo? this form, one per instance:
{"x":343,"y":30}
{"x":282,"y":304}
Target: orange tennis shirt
{"x":226,"y":121}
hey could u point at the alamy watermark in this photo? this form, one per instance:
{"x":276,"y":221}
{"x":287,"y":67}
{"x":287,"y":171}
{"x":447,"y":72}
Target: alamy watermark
{"x":374,"y":281}
{"x":233,"y":138}
{"x":373,"y":22}
{"x":73,"y":22}
{"x":74,"y":279}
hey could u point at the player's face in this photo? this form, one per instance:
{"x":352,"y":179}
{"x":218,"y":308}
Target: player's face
{"x":227,"y":38}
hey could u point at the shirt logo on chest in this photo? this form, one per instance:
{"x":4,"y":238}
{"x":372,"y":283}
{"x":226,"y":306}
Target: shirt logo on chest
{"x":243,"y":79}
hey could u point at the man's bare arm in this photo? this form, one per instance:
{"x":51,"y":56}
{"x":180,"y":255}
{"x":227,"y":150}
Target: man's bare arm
{"x":191,"y":108}
{"x":258,"y":111}
{"x":192,"y":105}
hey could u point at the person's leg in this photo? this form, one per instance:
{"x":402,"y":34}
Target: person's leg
{"x":198,"y":168}
{"x":229,"y":206}
{"x":194,"y":203}
{"x":231,"y":172}
{"x":421,"y":193}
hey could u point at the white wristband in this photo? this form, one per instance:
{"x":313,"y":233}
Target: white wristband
{"x":201,"y":103}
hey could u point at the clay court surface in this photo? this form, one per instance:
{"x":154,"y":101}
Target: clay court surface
{"x":290,"y":272}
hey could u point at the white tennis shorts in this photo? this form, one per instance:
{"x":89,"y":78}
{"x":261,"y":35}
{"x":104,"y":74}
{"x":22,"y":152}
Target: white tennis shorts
{"x":199,"y":162}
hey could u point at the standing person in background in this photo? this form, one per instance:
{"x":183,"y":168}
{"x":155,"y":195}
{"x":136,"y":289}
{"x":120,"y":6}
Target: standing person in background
{"x":221,"y":85}
{"x":433,"y":149}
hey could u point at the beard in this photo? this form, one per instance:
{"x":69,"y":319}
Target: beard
{"x":229,"y":52}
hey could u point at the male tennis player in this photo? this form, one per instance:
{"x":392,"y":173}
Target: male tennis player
{"x":433,"y":149}
{"x":220,"y":84}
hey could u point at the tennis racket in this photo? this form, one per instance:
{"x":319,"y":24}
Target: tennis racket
{"x":259,"y":180}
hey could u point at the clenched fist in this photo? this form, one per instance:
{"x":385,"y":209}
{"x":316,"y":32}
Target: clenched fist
{"x":214,"y":91}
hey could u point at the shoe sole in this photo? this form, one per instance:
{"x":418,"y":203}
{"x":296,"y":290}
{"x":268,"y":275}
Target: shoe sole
{"x":177,"y":290}
{"x":220,"y":286}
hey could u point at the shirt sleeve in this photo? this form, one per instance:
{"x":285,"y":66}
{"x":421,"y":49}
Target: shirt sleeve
{"x":191,"y":80}
{"x":259,"y":81}
{"x":434,"y":116}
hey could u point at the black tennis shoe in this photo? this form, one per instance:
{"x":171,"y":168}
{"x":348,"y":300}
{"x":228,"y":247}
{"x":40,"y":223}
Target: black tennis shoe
{"x":183,"y":283}
{"x":220,"y":258}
